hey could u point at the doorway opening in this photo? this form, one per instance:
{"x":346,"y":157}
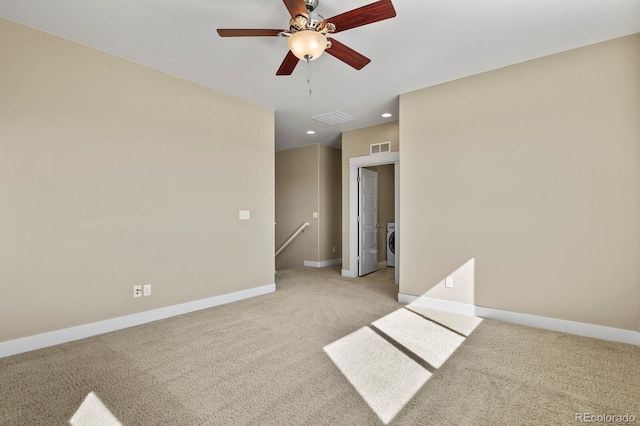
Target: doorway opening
{"x":355,"y":164}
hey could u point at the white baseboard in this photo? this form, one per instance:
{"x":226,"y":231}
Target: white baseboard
{"x":441,"y":305}
{"x":322,"y":264}
{"x":565,"y":326}
{"x":57,"y":337}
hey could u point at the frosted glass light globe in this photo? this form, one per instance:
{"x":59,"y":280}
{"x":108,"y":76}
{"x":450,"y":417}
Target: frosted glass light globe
{"x":307,"y":43}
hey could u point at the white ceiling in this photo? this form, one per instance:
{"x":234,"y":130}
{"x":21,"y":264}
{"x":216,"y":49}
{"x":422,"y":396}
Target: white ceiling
{"x":429,"y":42}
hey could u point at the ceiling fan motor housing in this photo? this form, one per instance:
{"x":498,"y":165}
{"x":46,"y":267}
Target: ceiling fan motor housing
{"x":313,"y":23}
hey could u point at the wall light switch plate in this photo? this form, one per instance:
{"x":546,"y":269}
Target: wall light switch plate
{"x":244,"y":215}
{"x":147,"y":290}
{"x":315,"y":215}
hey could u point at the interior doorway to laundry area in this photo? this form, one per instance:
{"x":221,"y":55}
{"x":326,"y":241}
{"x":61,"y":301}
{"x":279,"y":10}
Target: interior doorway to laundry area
{"x":374,"y":209}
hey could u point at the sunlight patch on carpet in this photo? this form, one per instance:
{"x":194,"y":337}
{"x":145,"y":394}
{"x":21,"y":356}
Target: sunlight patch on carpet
{"x":462,"y":324}
{"x":93,"y":412}
{"x":385,"y":377}
{"x":428,"y":340}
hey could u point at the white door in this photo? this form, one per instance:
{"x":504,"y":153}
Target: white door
{"x":367,"y":221}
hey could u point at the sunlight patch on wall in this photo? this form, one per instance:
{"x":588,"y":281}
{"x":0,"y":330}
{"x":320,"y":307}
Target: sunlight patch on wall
{"x":93,"y":412}
{"x":464,"y":285}
{"x":385,"y":377}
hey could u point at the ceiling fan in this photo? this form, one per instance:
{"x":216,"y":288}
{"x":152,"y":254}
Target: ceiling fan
{"x":307,"y":32}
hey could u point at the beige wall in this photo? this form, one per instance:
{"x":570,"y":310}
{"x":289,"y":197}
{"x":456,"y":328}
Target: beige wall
{"x":386,"y":205}
{"x":114,"y":175}
{"x":330,"y":203}
{"x":296,"y":200}
{"x":355,"y":143}
{"x":532,"y":171}
{"x":308,"y":181}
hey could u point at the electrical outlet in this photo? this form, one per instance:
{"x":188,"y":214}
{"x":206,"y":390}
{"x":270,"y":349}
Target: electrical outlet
{"x":448,"y":282}
{"x":137,"y":291}
{"x":334,"y":249}
{"x":147,"y":290}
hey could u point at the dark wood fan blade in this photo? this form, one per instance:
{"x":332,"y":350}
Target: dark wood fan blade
{"x":248,"y":33}
{"x":288,"y":65}
{"x":296,"y":7}
{"x":374,"y":12}
{"x":347,"y":55}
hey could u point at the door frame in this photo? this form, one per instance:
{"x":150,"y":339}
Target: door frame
{"x":354,"y":164}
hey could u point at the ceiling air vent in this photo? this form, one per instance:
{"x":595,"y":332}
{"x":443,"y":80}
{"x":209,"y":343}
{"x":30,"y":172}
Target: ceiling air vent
{"x":377,"y":148}
{"x":333,"y":118}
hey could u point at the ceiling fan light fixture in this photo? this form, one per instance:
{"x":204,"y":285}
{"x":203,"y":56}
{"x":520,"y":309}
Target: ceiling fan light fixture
{"x":307,"y":45}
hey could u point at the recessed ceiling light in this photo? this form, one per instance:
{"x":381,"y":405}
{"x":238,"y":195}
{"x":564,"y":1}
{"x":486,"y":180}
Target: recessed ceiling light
{"x":387,"y":115}
{"x":311,"y":132}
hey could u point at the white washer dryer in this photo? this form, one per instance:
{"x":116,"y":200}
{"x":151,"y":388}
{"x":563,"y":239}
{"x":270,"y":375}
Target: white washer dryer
{"x":391,"y":244}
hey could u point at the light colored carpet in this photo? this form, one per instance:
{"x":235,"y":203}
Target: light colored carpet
{"x":385,"y":377}
{"x":261,"y":362}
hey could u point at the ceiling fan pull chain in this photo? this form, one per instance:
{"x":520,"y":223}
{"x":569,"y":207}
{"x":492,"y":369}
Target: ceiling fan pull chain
{"x":309,"y":75}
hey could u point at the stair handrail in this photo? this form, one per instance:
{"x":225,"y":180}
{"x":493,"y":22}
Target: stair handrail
{"x":292,"y":237}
